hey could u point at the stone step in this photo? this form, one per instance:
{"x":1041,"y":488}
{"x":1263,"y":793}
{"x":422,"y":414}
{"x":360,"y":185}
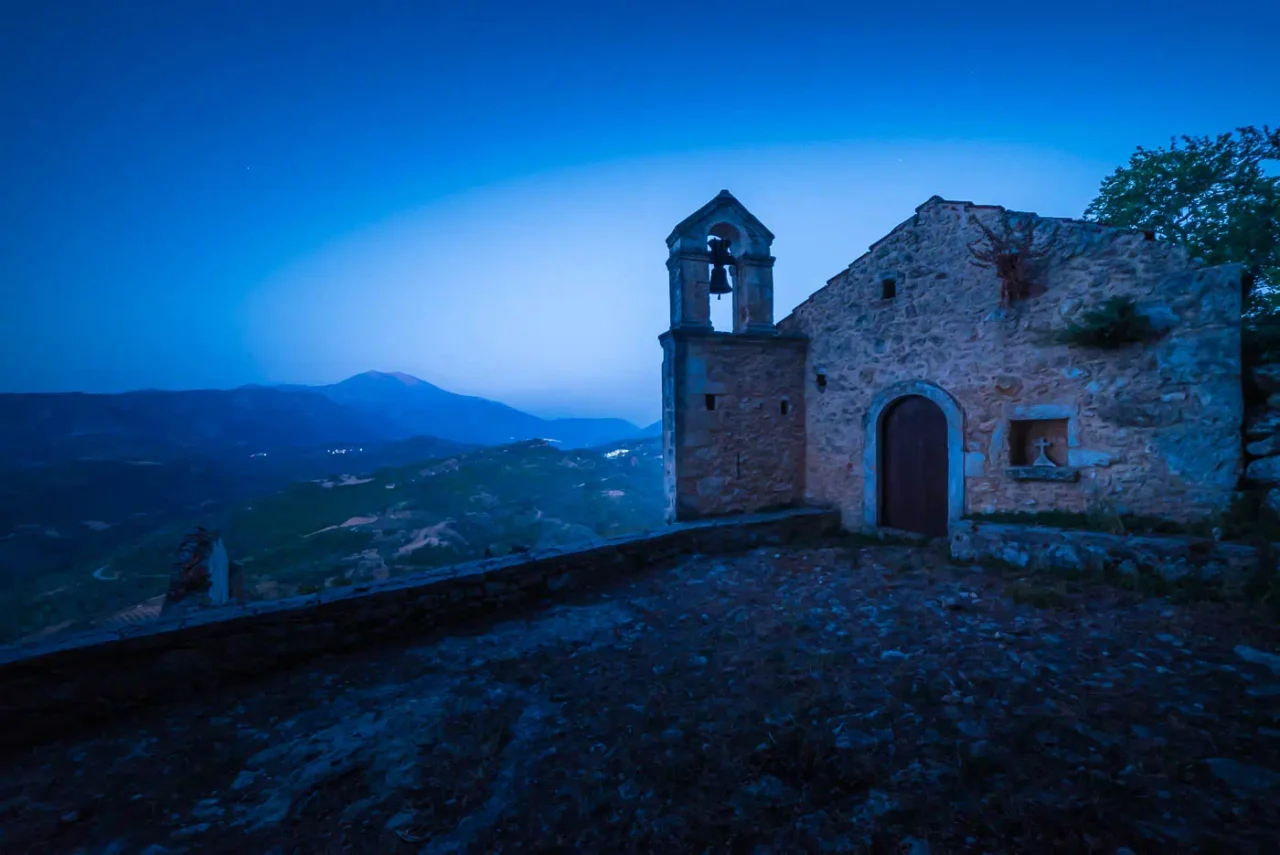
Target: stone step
{"x":1264,"y":447}
{"x":1267,"y":376}
{"x":1264,"y":470}
{"x":1263,"y":424}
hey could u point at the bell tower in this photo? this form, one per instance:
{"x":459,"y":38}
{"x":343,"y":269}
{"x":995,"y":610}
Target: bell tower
{"x":721,"y":237}
{"x":732,"y":402}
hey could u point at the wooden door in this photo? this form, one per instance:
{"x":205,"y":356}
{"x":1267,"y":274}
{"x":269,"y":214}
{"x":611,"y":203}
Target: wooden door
{"x":913,"y":467}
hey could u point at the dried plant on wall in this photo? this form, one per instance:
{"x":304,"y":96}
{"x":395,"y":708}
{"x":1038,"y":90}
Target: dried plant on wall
{"x":1012,"y":252}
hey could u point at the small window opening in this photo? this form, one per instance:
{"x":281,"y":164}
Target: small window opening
{"x":1147,"y":234}
{"x":786,"y":407}
{"x":888,"y":289}
{"x":711,"y":402}
{"x":1028,"y":439}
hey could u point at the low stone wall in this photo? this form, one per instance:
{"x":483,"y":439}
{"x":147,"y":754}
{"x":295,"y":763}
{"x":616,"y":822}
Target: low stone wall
{"x":1044,"y":548}
{"x":53,"y":687}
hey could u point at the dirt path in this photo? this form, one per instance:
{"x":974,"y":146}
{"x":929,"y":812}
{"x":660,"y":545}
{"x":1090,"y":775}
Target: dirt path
{"x":821,"y":700}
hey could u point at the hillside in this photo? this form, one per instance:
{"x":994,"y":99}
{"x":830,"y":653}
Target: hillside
{"x":64,"y":513}
{"x":361,"y":524}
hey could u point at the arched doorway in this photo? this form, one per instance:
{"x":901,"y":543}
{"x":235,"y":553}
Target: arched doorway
{"x":913,"y":467}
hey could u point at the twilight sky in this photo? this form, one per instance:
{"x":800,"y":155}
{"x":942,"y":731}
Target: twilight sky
{"x":206,"y":194}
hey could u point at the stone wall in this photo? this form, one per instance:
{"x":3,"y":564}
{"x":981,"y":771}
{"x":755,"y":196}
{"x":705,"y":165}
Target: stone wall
{"x":1152,"y":429}
{"x":729,"y":446}
{"x":1042,"y":548}
{"x":53,"y":687}
{"x":1262,"y":434}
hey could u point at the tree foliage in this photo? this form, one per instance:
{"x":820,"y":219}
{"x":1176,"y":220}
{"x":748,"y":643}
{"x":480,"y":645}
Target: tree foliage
{"x":1217,"y":196}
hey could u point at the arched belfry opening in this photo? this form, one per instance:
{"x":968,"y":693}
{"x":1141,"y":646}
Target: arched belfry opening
{"x":732,"y":385}
{"x":721,"y":228}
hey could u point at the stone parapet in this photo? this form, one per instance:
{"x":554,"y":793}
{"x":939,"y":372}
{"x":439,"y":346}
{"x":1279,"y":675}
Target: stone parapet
{"x":53,"y":687}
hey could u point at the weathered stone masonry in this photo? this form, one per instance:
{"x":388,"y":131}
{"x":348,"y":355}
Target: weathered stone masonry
{"x":1041,"y":548}
{"x":741,"y":436}
{"x":1151,"y":428}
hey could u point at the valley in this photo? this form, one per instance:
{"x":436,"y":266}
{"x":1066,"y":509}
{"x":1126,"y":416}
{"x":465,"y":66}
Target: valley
{"x":310,"y":486}
{"x":342,"y":524}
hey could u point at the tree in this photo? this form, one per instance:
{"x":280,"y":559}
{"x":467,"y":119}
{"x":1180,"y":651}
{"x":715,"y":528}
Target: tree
{"x":1213,"y":195}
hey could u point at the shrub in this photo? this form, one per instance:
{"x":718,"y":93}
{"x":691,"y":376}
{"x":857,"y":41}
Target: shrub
{"x":1112,"y":325}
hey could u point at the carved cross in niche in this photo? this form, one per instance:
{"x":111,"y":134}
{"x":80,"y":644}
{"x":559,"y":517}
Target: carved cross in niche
{"x":1043,"y":459}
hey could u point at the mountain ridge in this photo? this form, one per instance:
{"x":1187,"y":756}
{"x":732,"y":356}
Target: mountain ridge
{"x":38,"y":428}
{"x":416,"y":406}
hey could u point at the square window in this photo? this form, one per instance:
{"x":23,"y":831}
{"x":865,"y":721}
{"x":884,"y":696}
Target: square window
{"x":888,"y":289}
{"x":1028,"y":437}
{"x":711,"y":402}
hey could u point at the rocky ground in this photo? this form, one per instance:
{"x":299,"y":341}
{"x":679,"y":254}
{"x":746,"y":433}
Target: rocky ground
{"x":837,"y":699}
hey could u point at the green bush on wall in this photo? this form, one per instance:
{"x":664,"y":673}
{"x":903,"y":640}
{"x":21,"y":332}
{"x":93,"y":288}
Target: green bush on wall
{"x":1112,"y":325}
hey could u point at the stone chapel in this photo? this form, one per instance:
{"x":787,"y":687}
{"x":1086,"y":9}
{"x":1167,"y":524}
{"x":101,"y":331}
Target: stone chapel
{"x":915,"y":388}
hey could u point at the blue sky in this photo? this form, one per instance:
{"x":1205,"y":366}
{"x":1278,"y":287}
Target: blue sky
{"x":210,"y":194}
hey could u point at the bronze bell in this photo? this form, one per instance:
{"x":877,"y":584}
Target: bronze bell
{"x":719,"y":258}
{"x":720,"y":282}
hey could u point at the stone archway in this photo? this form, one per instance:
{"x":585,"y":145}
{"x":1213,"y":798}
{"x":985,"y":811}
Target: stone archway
{"x":884,"y":403}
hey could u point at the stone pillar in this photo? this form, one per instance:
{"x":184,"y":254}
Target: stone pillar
{"x":204,"y":574}
{"x":690,"y":271}
{"x":753,"y":295}
{"x":669,"y":443}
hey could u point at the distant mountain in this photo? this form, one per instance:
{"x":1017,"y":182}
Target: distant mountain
{"x":38,"y":429}
{"x":409,"y":406}
{"x":654,"y":429}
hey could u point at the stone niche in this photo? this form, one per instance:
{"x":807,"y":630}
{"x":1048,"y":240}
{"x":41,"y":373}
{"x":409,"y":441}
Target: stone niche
{"x":1038,"y":451}
{"x":1041,"y":441}
{"x":1027,"y":437}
